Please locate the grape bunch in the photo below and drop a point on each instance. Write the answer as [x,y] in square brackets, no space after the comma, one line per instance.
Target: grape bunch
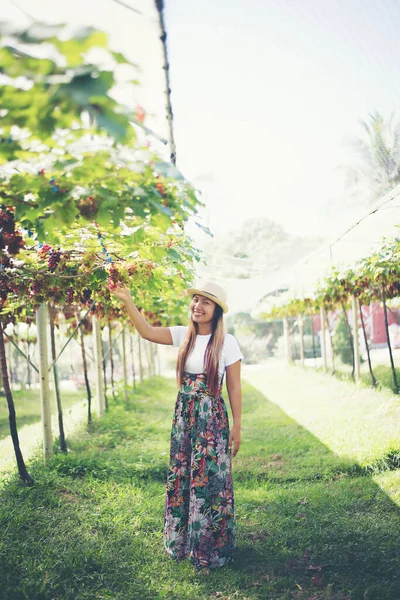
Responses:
[44,251]
[10,238]
[5,261]
[152,318]
[132,269]
[53,260]
[7,221]
[86,296]
[114,277]
[69,295]
[148,267]
[36,292]
[69,312]
[14,242]
[88,207]
[55,293]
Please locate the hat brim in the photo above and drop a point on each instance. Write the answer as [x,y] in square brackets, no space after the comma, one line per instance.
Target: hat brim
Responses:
[192,291]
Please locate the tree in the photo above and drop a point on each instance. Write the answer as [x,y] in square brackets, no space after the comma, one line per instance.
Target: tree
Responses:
[378,154]
[341,342]
[258,247]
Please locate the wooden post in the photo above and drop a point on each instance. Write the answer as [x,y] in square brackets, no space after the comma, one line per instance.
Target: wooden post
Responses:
[85,369]
[111,357]
[158,359]
[124,364]
[323,337]
[389,345]
[287,340]
[11,411]
[104,364]
[350,336]
[10,364]
[373,380]
[63,442]
[153,359]
[131,338]
[332,351]
[148,357]
[301,335]
[354,306]
[98,359]
[140,359]
[29,378]
[41,323]
[313,340]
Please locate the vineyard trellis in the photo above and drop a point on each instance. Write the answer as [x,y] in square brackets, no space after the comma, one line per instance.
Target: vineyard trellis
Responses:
[84,206]
[375,278]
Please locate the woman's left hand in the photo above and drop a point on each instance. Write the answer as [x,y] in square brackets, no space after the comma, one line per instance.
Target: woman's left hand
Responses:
[234,437]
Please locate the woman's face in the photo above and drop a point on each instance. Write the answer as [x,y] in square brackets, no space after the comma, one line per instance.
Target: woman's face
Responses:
[202,309]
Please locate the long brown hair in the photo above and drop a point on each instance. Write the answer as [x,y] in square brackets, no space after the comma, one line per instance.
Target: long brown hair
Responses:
[213,351]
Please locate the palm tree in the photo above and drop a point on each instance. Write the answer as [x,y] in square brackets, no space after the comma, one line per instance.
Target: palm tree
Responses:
[378,151]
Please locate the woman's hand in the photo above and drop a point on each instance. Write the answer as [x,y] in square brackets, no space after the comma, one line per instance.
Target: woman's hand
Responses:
[234,437]
[120,292]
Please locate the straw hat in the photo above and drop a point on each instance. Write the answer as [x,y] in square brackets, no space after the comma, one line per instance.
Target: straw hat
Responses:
[211,290]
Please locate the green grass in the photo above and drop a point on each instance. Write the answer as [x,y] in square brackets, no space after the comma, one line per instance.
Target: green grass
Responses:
[383,375]
[27,407]
[311,523]
[360,425]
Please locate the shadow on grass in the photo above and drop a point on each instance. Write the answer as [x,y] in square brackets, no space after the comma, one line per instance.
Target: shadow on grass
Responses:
[310,525]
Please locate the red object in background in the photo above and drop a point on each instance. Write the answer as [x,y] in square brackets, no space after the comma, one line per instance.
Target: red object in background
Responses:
[140,113]
[374,319]
[316,319]
[378,333]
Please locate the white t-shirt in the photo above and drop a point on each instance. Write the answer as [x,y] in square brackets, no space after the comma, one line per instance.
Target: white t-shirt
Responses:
[195,361]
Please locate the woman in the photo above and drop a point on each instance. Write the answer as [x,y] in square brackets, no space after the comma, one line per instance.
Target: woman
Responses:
[199,507]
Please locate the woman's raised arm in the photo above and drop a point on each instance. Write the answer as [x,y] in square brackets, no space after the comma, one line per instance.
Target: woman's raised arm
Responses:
[159,335]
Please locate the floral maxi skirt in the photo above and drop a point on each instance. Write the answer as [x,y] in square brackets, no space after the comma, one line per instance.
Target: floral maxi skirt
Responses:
[199,505]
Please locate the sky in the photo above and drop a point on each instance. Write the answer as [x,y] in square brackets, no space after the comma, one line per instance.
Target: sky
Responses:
[267,96]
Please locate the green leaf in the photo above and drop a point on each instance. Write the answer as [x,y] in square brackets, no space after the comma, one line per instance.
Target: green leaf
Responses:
[66,164]
[83,87]
[161,221]
[119,57]
[158,253]
[168,170]
[161,208]
[204,228]
[174,254]
[83,40]
[117,125]
[98,275]
[138,236]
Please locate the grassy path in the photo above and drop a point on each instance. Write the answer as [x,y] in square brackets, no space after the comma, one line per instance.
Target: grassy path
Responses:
[359,424]
[27,406]
[29,424]
[311,522]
